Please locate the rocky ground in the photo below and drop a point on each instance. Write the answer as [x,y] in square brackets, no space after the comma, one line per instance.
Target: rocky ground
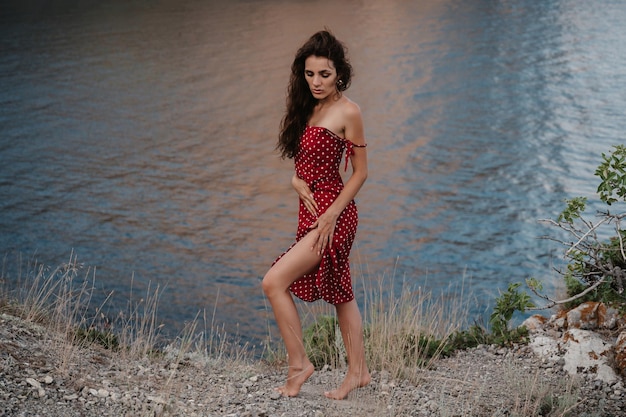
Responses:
[41,377]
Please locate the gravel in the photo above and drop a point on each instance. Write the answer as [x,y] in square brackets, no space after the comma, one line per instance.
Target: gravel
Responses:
[42,375]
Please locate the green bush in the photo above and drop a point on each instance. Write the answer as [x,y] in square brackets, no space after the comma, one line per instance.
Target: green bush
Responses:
[321,343]
[419,348]
[466,339]
[510,301]
[103,338]
[597,264]
[501,334]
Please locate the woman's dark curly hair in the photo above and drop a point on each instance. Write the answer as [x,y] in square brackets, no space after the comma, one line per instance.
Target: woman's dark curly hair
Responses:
[300,101]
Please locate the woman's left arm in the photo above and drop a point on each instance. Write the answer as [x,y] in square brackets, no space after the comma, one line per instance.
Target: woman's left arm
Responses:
[354,132]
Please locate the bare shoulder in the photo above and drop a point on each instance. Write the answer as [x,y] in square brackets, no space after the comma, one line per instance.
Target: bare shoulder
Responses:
[350,109]
[353,122]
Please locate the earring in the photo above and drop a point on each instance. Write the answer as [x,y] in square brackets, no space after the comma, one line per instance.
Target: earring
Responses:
[339,84]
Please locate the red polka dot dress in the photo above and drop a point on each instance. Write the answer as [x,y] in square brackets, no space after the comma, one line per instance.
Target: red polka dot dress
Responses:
[317,162]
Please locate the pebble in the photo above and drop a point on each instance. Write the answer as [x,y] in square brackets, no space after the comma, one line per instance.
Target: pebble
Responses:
[33,383]
[275,395]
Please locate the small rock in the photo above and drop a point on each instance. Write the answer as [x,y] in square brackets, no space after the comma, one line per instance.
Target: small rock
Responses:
[275,395]
[34,383]
[156,399]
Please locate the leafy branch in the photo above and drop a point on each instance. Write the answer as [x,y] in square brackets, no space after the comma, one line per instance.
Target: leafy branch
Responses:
[595,269]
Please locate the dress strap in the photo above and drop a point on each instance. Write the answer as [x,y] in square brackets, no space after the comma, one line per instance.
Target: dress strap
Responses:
[350,150]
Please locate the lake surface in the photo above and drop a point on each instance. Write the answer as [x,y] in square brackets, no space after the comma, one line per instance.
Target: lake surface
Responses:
[140,136]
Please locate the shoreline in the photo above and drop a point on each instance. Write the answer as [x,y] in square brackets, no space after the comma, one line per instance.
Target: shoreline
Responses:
[41,374]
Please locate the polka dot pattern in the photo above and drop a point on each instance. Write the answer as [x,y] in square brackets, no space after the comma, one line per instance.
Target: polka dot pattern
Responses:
[317,162]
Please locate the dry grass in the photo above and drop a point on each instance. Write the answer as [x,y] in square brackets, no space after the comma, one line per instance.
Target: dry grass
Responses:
[408,331]
[404,333]
[61,300]
[56,298]
[520,393]
[398,327]
[531,397]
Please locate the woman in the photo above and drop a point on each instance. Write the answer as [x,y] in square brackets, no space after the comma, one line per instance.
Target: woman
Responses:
[319,124]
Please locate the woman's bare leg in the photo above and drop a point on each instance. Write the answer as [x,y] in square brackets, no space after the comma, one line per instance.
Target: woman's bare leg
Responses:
[351,327]
[298,261]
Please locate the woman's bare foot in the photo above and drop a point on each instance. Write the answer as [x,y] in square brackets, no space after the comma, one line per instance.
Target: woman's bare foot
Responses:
[349,383]
[296,377]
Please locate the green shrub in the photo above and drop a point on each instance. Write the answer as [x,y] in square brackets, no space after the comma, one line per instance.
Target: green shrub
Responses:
[419,348]
[510,301]
[466,339]
[594,261]
[596,252]
[321,342]
[105,339]
[501,334]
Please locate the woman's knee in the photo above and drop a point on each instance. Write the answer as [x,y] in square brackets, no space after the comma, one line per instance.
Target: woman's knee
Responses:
[271,284]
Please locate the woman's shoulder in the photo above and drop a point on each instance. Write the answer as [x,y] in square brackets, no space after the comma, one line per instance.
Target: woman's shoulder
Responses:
[352,122]
[348,105]
[344,117]
[348,109]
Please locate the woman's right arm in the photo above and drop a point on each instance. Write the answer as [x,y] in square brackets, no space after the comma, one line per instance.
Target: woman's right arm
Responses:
[305,194]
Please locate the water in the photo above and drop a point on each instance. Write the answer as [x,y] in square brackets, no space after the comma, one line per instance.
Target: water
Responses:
[140,135]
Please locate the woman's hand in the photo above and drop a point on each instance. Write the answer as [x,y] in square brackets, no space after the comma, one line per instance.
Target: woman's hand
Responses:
[305,194]
[325,229]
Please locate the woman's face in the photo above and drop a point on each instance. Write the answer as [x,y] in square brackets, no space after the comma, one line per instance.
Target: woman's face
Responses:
[321,76]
